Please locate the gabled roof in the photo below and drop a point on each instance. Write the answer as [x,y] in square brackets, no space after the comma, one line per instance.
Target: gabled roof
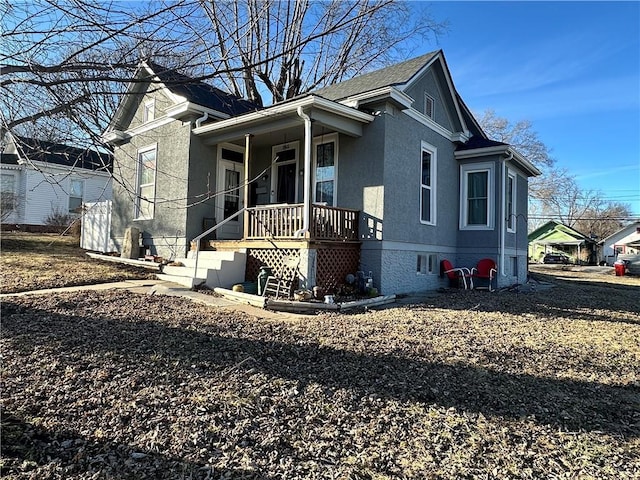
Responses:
[398,74]
[540,234]
[34,150]
[622,232]
[199,92]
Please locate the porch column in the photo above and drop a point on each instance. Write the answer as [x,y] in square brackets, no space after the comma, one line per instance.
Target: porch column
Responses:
[245,182]
[307,174]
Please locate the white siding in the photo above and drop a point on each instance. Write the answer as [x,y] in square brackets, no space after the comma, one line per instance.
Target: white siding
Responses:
[47,190]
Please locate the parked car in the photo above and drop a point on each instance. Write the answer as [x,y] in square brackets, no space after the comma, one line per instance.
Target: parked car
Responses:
[556,258]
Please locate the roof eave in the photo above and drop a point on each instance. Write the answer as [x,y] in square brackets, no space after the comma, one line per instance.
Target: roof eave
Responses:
[522,162]
[284,109]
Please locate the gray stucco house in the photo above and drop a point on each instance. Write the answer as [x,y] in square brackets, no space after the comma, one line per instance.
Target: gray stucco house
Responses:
[387,173]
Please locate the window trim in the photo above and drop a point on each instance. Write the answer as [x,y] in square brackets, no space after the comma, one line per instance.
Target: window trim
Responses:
[433,151]
[149,106]
[465,170]
[14,194]
[138,198]
[322,139]
[81,182]
[429,101]
[511,219]
[427,264]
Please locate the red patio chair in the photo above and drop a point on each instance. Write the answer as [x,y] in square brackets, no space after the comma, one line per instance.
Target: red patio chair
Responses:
[487,270]
[456,275]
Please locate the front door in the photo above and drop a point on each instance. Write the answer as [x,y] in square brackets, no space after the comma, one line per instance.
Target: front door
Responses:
[230,193]
[284,183]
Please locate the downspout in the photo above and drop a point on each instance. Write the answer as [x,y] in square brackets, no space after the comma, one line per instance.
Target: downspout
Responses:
[203,118]
[307,173]
[503,208]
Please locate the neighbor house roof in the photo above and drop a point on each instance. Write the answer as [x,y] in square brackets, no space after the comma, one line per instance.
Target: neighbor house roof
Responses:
[199,92]
[36,150]
[558,233]
[397,74]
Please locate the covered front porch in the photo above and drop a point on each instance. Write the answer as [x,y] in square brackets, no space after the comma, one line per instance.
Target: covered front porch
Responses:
[276,184]
[280,169]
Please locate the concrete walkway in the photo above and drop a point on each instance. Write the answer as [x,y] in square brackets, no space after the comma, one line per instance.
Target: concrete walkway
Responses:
[162,287]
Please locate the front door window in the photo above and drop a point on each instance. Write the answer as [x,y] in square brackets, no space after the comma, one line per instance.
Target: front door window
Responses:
[232,195]
[284,187]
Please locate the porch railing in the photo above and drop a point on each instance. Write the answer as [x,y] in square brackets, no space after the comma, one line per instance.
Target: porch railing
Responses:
[283,221]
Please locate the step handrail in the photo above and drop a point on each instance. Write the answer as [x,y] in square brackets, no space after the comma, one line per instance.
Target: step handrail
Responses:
[207,232]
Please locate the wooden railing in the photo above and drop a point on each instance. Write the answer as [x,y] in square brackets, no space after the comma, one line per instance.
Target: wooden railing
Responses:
[283,221]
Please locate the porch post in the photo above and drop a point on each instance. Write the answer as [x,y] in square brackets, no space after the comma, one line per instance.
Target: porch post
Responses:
[307,174]
[245,182]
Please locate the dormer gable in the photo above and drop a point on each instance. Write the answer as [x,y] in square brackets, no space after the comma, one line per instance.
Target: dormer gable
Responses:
[158,95]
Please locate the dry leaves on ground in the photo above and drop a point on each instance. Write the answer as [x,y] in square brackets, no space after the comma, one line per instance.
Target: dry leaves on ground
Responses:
[466,385]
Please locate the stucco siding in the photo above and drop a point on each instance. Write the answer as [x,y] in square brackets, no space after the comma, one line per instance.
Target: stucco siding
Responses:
[165,233]
[402,180]
[430,85]
[202,181]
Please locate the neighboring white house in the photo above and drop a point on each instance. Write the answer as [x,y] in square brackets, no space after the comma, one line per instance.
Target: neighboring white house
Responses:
[41,179]
[625,241]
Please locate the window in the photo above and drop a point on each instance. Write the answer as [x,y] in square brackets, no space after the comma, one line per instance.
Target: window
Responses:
[149,111]
[75,196]
[476,209]
[428,105]
[511,203]
[325,171]
[8,190]
[146,188]
[427,264]
[428,185]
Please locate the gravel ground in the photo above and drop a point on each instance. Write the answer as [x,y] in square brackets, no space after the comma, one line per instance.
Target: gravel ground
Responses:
[466,385]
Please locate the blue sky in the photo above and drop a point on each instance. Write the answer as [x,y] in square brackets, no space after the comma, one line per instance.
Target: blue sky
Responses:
[571,68]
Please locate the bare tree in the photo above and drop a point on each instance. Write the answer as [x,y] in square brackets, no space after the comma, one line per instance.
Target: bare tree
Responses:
[555,195]
[288,48]
[520,135]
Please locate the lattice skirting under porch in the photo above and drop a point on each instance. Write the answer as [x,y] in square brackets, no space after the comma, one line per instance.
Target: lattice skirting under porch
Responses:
[270,257]
[334,263]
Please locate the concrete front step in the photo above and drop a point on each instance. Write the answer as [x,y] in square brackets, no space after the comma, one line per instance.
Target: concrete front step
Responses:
[189,282]
[215,269]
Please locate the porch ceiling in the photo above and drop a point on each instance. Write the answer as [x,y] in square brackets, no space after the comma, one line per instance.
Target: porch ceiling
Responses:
[283,119]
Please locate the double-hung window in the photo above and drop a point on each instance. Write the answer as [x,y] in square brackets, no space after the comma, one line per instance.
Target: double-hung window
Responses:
[428,184]
[75,195]
[146,183]
[477,197]
[325,169]
[8,190]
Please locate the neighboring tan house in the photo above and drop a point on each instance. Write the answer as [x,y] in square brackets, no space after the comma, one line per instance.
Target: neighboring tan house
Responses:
[387,173]
[625,241]
[554,237]
[42,180]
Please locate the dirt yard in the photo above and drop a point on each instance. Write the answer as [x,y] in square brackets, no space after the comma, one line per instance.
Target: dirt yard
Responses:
[40,261]
[457,385]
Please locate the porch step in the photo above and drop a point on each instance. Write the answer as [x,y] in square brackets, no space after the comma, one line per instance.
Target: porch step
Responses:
[187,281]
[215,269]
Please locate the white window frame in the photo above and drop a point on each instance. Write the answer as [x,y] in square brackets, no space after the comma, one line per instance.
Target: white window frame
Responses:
[274,167]
[427,264]
[149,111]
[81,182]
[14,200]
[465,170]
[433,151]
[137,209]
[511,215]
[329,138]
[429,106]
